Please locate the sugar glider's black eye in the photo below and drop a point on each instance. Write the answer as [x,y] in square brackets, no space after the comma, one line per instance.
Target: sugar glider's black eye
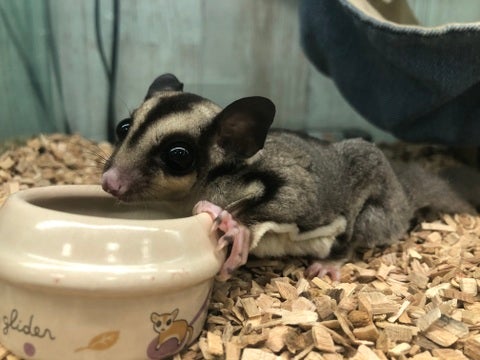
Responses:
[122,128]
[179,158]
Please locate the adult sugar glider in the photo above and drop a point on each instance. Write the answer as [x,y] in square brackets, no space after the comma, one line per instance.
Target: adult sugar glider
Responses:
[270,193]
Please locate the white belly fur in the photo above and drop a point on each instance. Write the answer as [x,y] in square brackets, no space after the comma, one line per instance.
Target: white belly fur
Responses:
[273,239]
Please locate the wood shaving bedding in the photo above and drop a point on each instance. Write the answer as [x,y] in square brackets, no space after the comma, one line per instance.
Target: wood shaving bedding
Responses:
[417,299]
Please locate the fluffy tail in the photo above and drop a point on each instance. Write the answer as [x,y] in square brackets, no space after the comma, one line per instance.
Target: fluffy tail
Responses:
[429,194]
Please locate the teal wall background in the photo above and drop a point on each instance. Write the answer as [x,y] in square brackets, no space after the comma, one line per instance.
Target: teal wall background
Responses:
[52,77]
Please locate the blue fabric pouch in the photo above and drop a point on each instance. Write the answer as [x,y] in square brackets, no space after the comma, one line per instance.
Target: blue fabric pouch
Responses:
[421,84]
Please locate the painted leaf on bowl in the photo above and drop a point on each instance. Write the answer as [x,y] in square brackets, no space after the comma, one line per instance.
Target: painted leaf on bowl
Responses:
[101,341]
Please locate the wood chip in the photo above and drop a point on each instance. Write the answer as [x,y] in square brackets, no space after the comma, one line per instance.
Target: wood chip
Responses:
[314,356]
[435,290]
[399,333]
[359,318]
[448,354]
[376,303]
[424,356]
[365,353]
[367,333]
[6,162]
[325,306]
[437,226]
[472,347]
[400,311]
[215,344]
[459,295]
[303,353]
[428,319]
[322,339]
[3,352]
[250,307]
[302,303]
[302,286]
[257,354]
[440,336]
[276,338]
[469,286]
[303,317]
[418,279]
[400,349]
[232,351]
[384,270]
[321,284]
[287,291]
[471,317]
[342,319]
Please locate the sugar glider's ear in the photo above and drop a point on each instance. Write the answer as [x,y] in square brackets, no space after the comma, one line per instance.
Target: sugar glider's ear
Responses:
[241,128]
[165,82]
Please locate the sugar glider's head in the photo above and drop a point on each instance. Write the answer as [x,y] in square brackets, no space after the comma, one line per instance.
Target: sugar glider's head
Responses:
[174,137]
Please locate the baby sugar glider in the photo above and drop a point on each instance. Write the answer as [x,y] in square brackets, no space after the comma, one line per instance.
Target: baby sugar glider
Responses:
[328,198]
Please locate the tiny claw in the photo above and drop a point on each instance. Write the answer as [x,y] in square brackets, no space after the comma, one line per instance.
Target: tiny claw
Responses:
[214,227]
[224,241]
[221,221]
[227,239]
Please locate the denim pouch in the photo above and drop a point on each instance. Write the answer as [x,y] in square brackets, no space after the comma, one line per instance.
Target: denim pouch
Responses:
[422,84]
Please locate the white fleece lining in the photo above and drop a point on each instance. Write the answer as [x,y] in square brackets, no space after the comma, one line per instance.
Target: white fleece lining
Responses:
[274,239]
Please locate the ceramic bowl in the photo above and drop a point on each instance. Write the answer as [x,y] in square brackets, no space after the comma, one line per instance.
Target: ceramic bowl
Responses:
[83,276]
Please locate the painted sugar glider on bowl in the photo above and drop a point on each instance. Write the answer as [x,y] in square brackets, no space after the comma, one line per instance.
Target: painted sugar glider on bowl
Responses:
[270,193]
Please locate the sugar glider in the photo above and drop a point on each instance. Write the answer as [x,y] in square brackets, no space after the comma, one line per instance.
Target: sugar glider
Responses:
[270,192]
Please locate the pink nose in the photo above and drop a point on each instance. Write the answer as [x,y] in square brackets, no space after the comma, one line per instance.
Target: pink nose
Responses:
[113,183]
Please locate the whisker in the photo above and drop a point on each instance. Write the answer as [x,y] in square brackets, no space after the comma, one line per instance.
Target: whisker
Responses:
[98,151]
[97,154]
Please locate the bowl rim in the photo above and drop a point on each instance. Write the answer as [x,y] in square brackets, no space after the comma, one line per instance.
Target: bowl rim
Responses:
[25,197]
[14,272]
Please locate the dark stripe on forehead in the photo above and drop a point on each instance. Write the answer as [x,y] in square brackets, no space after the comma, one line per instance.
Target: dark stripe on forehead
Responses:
[166,106]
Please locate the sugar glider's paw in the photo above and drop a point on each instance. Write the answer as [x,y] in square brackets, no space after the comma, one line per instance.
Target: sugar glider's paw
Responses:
[233,233]
[321,268]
